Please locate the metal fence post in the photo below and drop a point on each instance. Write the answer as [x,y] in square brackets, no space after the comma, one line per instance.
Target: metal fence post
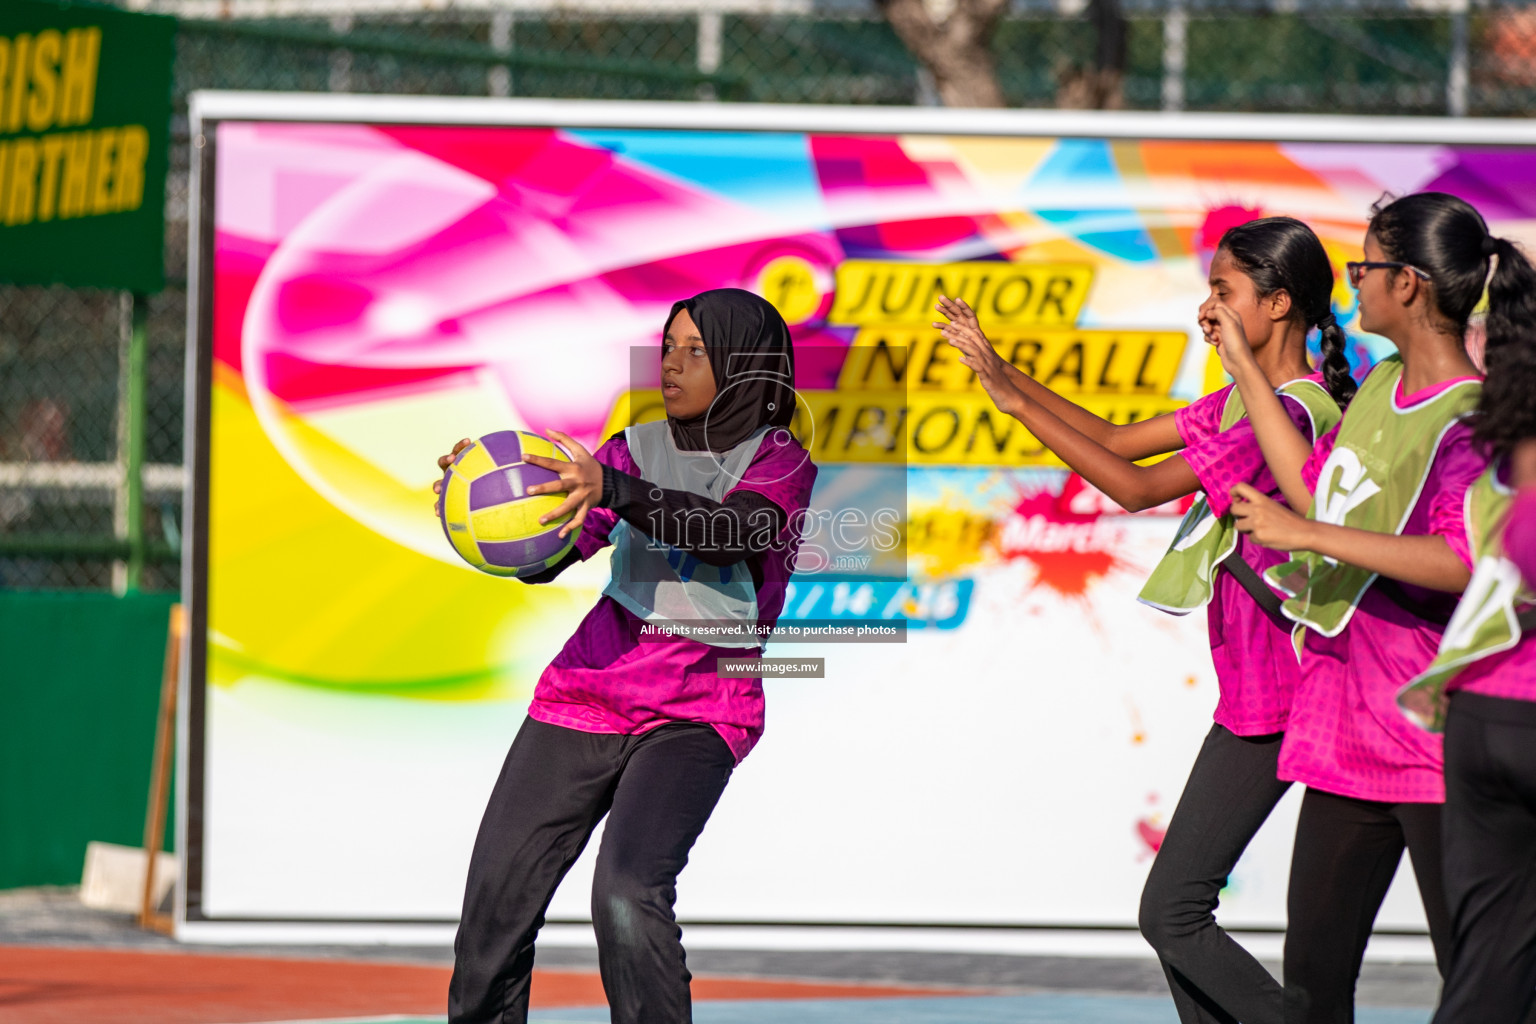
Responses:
[711,31]
[128,514]
[341,60]
[1175,54]
[1458,73]
[498,79]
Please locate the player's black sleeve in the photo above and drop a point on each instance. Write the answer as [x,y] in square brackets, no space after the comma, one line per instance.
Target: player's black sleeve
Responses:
[714,532]
[548,575]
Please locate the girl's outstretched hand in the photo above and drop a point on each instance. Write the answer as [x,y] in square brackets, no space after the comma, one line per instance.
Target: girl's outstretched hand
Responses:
[958,311]
[1268,522]
[581,479]
[443,462]
[1223,328]
[977,353]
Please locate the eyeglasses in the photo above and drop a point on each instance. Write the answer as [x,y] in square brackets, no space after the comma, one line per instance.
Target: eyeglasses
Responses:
[1357,269]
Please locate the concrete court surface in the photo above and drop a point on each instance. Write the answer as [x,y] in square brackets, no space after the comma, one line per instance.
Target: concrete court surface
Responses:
[61,963]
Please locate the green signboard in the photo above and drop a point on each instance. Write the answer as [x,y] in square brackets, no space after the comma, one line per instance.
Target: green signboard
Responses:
[85,109]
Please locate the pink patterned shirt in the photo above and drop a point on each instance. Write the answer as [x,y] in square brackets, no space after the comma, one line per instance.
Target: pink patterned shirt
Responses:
[1510,674]
[1256,670]
[1520,534]
[1346,735]
[606,680]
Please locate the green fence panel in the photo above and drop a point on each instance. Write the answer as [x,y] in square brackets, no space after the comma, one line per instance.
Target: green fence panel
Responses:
[79,695]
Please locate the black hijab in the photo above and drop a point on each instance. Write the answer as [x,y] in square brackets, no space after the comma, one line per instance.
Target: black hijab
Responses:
[754,366]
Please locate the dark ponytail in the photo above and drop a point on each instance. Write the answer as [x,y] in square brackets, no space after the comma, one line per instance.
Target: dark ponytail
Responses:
[1335,364]
[1448,239]
[1506,414]
[1282,253]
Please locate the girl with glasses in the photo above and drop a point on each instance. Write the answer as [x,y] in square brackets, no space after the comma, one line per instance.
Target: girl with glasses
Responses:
[1275,274]
[1377,530]
[1487,666]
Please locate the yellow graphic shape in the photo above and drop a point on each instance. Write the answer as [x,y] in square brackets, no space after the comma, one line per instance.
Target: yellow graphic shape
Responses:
[300,592]
[1215,374]
[789,282]
[1040,241]
[947,539]
[1159,225]
[403,435]
[1343,295]
[1003,165]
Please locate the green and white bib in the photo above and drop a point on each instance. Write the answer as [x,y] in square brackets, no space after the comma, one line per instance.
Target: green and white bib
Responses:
[1184,579]
[1371,481]
[1487,620]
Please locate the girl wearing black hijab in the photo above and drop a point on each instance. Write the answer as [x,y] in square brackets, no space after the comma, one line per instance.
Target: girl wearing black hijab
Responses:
[632,720]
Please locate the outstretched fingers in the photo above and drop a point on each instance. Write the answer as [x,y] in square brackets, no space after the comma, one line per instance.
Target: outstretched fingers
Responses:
[958,311]
[571,445]
[560,466]
[961,337]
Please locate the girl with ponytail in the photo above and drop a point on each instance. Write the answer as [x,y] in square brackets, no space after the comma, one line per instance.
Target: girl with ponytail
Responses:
[1275,272]
[1377,531]
[1487,665]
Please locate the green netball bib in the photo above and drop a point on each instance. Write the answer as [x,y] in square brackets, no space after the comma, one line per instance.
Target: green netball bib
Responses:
[1487,620]
[1371,481]
[1184,579]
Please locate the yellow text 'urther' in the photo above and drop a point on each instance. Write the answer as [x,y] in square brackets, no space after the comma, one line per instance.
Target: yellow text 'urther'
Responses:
[48,82]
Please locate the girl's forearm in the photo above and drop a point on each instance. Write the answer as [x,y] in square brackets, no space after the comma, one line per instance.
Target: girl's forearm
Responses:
[1137,440]
[716,533]
[1286,449]
[1069,412]
[1130,486]
[1424,560]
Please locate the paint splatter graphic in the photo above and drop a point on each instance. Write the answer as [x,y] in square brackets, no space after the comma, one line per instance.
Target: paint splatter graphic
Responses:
[1151,834]
[1150,829]
[1138,728]
[1066,537]
[1218,221]
[947,539]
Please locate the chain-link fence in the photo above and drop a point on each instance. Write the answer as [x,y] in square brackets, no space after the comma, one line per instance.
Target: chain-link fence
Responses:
[67,501]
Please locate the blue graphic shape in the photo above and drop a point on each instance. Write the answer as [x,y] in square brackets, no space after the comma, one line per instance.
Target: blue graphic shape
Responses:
[940,605]
[1087,167]
[767,170]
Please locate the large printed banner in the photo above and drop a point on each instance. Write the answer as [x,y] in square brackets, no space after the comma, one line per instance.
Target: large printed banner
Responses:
[379,290]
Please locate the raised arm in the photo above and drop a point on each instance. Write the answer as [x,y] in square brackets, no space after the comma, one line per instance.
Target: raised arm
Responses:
[1131,440]
[1131,486]
[1286,449]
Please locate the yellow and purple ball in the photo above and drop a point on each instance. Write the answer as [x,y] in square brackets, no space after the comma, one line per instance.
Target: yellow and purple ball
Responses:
[488,515]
